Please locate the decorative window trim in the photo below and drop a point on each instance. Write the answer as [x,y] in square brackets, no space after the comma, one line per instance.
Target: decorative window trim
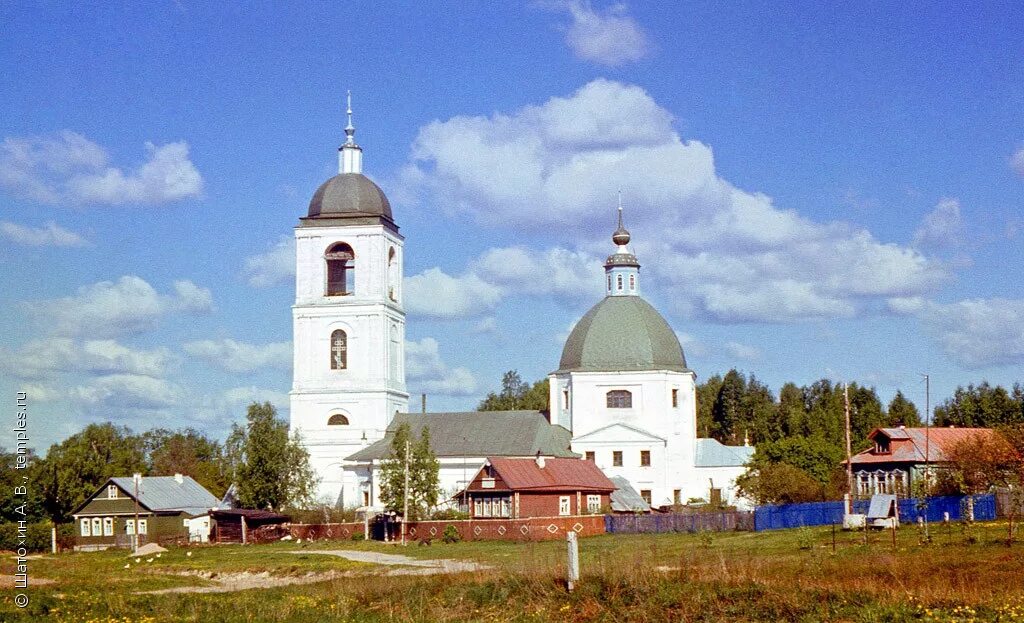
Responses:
[85,529]
[593,504]
[564,505]
[108,526]
[111,492]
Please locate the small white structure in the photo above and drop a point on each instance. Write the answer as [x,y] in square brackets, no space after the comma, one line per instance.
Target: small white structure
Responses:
[198,528]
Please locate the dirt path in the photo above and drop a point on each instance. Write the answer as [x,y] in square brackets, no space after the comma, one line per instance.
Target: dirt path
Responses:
[400,565]
[405,564]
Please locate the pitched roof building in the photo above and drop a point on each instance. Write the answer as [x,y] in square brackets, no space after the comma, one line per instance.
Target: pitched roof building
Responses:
[518,488]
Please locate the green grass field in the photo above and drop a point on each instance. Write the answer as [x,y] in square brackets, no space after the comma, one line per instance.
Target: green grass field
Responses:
[788,575]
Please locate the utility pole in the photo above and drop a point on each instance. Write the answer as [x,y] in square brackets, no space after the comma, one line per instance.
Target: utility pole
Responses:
[405,509]
[849,457]
[136,478]
[927,448]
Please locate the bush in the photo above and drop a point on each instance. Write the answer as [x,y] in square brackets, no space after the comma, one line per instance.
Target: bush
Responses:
[449,514]
[37,536]
[358,536]
[451,535]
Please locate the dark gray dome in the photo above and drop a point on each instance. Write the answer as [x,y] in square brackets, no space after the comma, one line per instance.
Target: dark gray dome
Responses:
[347,195]
[622,333]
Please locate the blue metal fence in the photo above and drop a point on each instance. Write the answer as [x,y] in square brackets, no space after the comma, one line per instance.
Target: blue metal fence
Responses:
[825,513]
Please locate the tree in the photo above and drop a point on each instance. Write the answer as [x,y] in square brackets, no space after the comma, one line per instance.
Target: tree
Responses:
[515,394]
[187,452]
[903,412]
[76,467]
[780,483]
[272,469]
[980,462]
[707,392]
[981,406]
[726,412]
[423,468]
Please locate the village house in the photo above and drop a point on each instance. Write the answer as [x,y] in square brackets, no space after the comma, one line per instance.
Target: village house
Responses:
[167,508]
[507,488]
[897,457]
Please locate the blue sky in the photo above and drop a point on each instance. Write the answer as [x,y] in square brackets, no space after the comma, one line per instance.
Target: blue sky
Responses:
[812,192]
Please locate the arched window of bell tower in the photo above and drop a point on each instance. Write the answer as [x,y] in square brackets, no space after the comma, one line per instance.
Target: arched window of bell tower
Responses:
[339,350]
[337,419]
[341,269]
[392,274]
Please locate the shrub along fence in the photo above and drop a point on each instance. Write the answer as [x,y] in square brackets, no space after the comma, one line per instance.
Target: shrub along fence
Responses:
[826,513]
[679,522]
[532,529]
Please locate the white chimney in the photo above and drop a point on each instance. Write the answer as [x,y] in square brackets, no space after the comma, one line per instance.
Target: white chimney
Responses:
[178,478]
[540,461]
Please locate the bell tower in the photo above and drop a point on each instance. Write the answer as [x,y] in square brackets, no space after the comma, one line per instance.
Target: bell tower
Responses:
[348,323]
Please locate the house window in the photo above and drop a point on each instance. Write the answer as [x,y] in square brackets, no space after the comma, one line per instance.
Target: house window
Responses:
[337,420]
[341,270]
[645,458]
[112,491]
[492,507]
[675,398]
[85,528]
[881,446]
[863,483]
[129,526]
[591,456]
[108,526]
[593,504]
[646,495]
[617,458]
[619,399]
[142,526]
[564,507]
[97,526]
[339,350]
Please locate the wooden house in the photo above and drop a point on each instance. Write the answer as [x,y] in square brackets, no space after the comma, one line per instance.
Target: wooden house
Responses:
[166,508]
[517,488]
[897,457]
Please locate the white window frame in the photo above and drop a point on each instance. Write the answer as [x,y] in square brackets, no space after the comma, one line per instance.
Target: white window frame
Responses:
[129,526]
[111,492]
[564,505]
[85,529]
[97,526]
[593,503]
[143,527]
[108,526]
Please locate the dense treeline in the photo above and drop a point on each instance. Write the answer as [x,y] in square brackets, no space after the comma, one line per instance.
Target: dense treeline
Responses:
[270,468]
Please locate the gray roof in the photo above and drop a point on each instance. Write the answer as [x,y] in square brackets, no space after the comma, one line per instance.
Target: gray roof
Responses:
[713,453]
[625,499]
[478,434]
[622,333]
[346,196]
[165,493]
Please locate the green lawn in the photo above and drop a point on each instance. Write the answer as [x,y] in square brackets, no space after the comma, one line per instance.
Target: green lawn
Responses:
[788,575]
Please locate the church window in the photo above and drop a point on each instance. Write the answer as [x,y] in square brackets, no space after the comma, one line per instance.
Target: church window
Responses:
[392,275]
[394,360]
[677,497]
[619,399]
[646,495]
[339,350]
[645,458]
[609,282]
[618,281]
[632,282]
[675,398]
[337,420]
[591,456]
[616,458]
[565,399]
[341,270]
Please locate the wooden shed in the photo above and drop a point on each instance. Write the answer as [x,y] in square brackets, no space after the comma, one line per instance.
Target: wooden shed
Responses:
[246,525]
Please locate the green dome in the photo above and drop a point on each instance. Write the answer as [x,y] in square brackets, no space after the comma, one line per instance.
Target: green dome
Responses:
[622,333]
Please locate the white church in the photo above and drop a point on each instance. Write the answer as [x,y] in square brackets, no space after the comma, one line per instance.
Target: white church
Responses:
[622,396]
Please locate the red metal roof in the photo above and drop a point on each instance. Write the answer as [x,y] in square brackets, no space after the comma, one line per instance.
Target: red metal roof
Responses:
[557,474]
[907,445]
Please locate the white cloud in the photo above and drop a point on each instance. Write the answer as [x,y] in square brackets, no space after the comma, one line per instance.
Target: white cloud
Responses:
[426,372]
[49,235]
[1017,161]
[743,351]
[240,356]
[218,411]
[978,332]
[130,392]
[273,267]
[435,294]
[942,227]
[108,309]
[691,345]
[485,325]
[43,358]
[708,247]
[610,37]
[69,167]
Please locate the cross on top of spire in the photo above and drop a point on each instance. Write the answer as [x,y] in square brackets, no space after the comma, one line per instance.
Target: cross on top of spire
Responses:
[350,130]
